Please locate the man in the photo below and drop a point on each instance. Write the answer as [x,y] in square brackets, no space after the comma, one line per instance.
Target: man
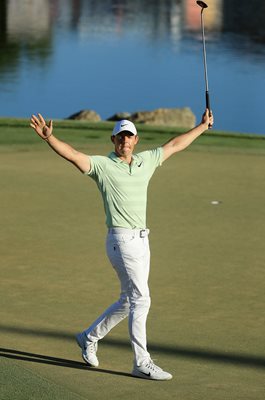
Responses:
[122,179]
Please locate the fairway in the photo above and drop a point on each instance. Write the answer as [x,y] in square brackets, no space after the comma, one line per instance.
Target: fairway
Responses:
[206,323]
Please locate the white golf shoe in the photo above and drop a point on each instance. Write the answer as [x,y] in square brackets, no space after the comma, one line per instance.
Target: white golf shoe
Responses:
[89,350]
[148,370]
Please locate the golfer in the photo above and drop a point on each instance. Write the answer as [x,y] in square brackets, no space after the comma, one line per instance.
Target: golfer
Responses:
[122,178]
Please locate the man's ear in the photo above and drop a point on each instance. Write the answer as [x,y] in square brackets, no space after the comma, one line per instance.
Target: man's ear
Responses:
[112,139]
[136,139]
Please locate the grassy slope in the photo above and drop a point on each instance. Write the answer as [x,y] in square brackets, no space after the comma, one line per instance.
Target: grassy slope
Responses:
[206,324]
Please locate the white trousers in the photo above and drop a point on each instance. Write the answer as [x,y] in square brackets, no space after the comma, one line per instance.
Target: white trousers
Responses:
[129,253]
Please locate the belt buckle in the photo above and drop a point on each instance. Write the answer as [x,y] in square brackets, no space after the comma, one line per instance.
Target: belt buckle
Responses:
[142,233]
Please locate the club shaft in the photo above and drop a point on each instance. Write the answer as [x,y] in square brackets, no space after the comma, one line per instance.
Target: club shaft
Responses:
[204,55]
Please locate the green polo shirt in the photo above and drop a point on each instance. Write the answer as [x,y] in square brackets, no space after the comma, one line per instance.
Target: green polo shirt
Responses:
[124,187]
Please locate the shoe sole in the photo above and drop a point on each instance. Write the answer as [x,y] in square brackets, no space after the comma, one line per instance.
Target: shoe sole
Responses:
[142,375]
[79,341]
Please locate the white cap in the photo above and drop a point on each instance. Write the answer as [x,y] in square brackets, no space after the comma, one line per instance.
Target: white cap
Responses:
[124,125]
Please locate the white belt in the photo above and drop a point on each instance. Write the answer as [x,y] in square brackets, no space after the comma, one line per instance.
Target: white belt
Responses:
[125,231]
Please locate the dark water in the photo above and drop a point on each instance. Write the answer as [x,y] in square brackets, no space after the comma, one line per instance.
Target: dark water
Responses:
[58,57]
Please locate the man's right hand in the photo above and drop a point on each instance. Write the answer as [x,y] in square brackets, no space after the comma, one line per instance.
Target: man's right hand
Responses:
[80,160]
[40,127]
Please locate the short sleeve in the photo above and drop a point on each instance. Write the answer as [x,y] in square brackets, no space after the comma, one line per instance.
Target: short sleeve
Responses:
[153,157]
[97,166]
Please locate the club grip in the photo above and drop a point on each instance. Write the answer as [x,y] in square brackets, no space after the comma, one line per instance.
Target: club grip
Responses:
[208,105]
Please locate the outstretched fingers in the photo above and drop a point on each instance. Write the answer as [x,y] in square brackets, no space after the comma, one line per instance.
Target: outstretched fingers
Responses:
[38,124]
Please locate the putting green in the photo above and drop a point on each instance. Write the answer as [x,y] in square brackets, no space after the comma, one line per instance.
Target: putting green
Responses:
[206,324]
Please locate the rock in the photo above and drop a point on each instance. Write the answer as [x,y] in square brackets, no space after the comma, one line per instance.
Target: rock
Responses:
[86,115]
[177,117]
[119,116]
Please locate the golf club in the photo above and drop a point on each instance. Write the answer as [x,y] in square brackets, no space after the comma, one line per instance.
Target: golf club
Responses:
[203,6]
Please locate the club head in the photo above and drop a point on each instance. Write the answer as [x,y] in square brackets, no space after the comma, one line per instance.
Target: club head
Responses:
[202,4]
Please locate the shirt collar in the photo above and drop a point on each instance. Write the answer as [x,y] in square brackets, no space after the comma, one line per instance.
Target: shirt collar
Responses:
[113,156]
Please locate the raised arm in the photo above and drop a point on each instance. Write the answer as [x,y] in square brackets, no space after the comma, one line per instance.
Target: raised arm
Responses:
[45,131]
[181,142]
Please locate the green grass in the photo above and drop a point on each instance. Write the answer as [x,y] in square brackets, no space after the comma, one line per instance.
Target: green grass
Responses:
[206,324]
[15,132]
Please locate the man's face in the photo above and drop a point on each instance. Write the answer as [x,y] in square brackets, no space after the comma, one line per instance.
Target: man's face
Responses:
[124,143]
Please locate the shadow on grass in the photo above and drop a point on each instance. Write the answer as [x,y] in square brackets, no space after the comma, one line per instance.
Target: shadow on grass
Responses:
[243,360]
[60,362]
